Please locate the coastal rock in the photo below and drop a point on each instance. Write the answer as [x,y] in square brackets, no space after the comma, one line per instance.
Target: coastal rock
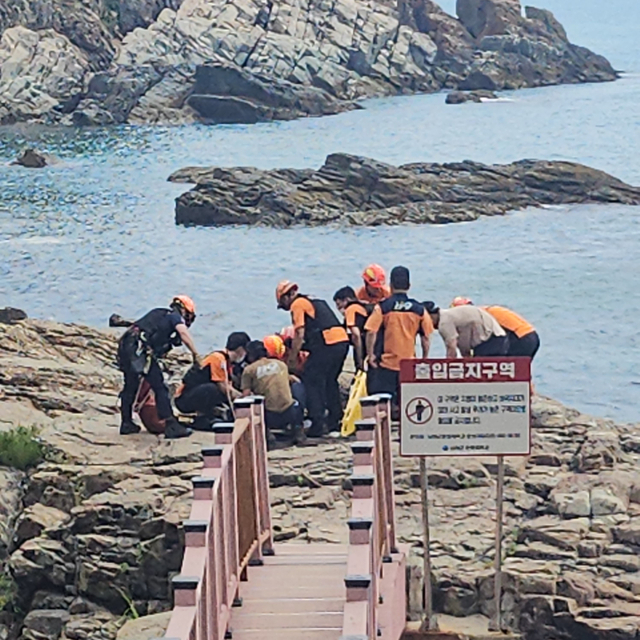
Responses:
[145,628]
[80,22]
[31,159]
[489,17]
[144,61]
[10,503]
[35,519]
[361,191]
[227,94]
[9,315]
[42,624]
[41,73]
[134,14]
[105,510]
[460,97]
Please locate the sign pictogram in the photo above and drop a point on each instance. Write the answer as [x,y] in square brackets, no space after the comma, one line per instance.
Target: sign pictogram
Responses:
[419,411]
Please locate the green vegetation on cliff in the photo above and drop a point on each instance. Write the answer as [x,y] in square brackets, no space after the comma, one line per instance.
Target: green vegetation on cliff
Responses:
[20,449]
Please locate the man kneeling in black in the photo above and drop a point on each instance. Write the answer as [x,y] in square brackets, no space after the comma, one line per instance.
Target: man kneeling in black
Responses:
[269,377]
[210,387]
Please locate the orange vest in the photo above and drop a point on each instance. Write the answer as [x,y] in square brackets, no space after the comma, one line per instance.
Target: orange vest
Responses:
[510,320]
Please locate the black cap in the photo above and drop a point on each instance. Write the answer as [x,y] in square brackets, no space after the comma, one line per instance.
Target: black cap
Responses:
[430,306]
[400,279]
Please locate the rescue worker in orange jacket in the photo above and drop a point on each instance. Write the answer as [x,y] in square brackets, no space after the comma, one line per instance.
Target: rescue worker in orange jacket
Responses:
[392,329]
[355,315]
[141,346]
[210,386]
[523,337]
[276,348]
[319,332]
[374,289]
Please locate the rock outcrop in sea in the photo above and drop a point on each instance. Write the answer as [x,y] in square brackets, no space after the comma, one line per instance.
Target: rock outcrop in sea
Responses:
[94,531]
[361,191]
[174,61]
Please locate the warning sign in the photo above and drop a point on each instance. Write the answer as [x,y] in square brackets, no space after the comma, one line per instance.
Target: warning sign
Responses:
[465,407]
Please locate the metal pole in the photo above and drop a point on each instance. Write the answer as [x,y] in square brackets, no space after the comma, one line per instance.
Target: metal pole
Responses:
[497,626]
[426,571]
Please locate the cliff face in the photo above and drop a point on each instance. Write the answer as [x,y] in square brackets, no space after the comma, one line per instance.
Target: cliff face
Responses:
[95,529]
[114,61]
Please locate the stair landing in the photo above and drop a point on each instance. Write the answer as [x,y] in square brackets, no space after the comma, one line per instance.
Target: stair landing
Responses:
[298,593]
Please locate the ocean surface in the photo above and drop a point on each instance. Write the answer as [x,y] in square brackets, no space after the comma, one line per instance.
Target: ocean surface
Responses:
[95,233]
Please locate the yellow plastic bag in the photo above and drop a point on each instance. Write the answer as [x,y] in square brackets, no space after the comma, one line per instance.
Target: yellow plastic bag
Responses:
[353,412]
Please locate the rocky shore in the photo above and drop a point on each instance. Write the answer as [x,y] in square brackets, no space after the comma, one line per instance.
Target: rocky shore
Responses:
[352,190]
[95,62]
[93,532]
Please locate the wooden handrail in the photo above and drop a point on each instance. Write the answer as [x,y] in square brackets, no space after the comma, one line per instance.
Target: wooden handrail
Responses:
[371,525]
[229,527]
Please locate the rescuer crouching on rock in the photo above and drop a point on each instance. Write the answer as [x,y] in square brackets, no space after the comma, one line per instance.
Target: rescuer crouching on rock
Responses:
[139,351]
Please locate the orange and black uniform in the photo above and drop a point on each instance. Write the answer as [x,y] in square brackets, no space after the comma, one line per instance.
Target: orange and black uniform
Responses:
[399,320]
[200,392]
[148,339]
[356,314]
[523,338]
[327,343]
[380,294]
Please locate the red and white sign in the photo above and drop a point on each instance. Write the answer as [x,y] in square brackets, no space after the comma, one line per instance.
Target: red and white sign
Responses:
[471,407]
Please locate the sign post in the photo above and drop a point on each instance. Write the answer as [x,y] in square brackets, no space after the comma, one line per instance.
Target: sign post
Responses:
[468,407]
[496,623]
[426,566]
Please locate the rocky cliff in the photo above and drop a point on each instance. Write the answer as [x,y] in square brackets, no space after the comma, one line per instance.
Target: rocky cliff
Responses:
[360,191]
[93,533]
[115,61]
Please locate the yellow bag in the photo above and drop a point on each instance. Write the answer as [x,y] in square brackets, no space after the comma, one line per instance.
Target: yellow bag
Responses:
[353,412]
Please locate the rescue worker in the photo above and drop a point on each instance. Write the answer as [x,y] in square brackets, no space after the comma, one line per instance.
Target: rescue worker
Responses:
[141,346]
[288,334]
[276,348]
[319,332]
[355,317]
[207,389]
[269,377]
[274,344]
[238,364]
[470,330]
[392,329]
[374,289]
[523,337]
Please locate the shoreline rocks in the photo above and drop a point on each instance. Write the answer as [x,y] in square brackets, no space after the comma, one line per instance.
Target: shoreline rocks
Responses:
[102,516]
[352,190]
[460,97]
[31,159]
[159,61]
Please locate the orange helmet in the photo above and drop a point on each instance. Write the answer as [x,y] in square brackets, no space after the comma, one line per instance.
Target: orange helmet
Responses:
[284,287]
[460,301]
[185,302]
[374,276]
[275,346]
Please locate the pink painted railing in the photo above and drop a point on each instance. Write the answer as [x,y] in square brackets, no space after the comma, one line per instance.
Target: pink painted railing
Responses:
[372,537]
[229,527]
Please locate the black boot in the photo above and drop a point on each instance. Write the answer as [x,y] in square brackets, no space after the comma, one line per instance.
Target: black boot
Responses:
[202,423]
[173,429]
[299,436]
[128,427]
[317,430]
